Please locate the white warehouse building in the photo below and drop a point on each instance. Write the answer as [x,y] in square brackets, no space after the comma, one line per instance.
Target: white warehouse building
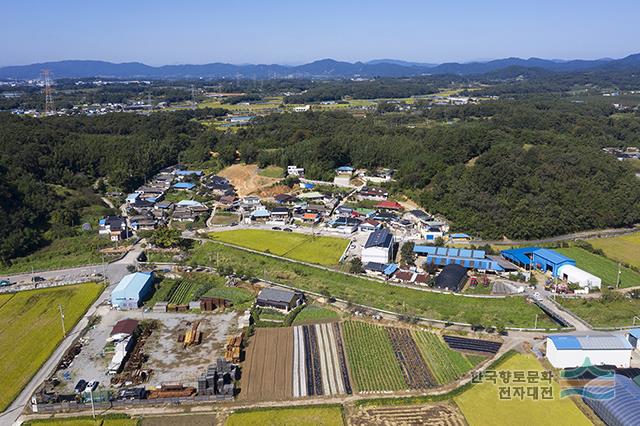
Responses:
[574,275]
[378,248]
[571,351]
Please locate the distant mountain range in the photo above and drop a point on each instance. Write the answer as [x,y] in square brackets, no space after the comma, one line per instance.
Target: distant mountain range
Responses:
[325,68]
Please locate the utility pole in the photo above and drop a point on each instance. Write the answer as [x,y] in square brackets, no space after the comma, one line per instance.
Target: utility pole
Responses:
[93,407]
[536,322]
[64,330]
[618,278]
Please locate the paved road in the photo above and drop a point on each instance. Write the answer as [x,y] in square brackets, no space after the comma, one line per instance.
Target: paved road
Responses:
[603,233]
[114,273]
[58,274]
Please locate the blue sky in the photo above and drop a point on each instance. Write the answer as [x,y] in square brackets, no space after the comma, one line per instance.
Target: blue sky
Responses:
[270,31]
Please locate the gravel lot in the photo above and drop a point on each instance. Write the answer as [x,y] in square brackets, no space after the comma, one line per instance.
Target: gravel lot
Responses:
[169,361]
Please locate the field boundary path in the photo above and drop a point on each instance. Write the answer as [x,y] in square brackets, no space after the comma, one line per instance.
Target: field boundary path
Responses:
[582,235]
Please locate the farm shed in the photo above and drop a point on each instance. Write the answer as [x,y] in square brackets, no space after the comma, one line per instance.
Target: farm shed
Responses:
[132,290]
[472,259]
[619,410]
[276,298]
[123,329]
[572,351]
[578,276]
[379,247]
[545,260]
[548,260]
[452,278]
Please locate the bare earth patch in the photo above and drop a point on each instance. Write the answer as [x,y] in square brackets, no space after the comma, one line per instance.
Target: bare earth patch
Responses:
[246,179]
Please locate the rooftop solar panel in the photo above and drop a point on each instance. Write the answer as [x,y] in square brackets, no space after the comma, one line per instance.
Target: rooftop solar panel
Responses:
[478,254]
[465,253]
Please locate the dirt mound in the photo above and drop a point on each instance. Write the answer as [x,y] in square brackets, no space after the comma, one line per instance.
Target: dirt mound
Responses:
[245,178]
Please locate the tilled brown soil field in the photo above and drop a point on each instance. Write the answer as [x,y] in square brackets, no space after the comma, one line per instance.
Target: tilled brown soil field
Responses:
[267,372]
[444,414]
[415,371]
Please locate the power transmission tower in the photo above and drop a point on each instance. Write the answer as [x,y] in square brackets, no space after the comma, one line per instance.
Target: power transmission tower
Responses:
[49,109]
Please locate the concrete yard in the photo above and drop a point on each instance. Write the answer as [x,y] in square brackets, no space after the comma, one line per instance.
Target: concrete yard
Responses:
[169,361]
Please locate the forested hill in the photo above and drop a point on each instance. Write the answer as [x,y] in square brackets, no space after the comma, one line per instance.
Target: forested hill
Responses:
[75,152]
[522,170]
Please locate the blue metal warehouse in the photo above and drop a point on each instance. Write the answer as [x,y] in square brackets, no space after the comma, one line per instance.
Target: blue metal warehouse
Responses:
[546,260]
[132,290]
[442,256]
[619,410]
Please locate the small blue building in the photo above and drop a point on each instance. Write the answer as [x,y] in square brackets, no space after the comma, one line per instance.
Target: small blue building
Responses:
[184,185]
[132,290]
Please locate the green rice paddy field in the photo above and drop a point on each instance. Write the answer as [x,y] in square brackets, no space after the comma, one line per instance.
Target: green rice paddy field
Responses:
[482,405]
[625,248]
[292,245]
[31,330]
[302,416]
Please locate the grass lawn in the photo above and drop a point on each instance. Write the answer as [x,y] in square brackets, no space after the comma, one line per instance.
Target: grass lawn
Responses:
[511,311]
[315,313]
[481,404]
[297,246]
[63,253]
[446,364]
[272,172]
[604,313]
[371,358]
[625,248]
[160,256]
[601,267]
[224,218]
[303,416]
[31,330]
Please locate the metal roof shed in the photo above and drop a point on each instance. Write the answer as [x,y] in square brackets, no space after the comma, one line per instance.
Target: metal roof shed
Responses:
[548,260]
[132,290]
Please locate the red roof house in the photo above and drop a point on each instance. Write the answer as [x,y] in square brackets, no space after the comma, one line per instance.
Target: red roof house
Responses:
[389,205]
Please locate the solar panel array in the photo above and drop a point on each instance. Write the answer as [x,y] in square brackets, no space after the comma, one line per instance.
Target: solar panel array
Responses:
[475,345]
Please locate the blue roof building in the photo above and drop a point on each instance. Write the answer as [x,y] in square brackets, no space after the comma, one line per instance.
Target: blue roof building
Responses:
[132,290]
[550,260]
[545,260]
[577,351]
[443,256]
[345,169]
[184,185]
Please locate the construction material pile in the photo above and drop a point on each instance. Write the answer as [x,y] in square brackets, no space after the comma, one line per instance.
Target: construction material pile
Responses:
[219,379]
[172,390]
[192,337]
[233,348]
